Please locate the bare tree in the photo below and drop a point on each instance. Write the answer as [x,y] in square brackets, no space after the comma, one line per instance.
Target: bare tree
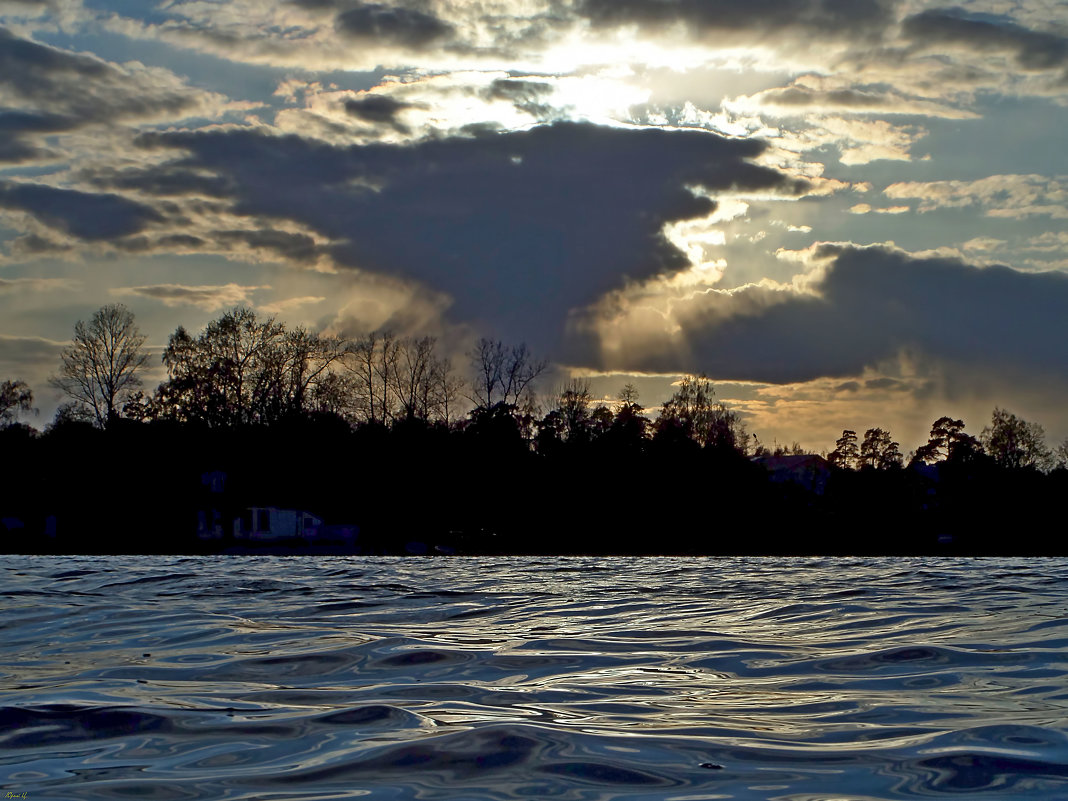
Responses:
[450,385]
[502,374]
[372,363]
[393,379]
[101,367]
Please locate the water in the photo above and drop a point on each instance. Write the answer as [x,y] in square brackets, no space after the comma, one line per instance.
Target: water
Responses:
[522,678]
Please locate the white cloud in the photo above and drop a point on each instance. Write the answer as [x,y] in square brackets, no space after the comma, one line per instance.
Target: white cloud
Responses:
[281,306]
[1013,196]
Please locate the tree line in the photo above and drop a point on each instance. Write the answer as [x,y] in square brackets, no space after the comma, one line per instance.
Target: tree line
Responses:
[384,432]
[243,369]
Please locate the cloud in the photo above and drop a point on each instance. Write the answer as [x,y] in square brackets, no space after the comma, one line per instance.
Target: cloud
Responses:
[377,23]
[855,308]
[810,94]
[161,181]
[517,227]
[38,284]
[1013,196]
[88,216]
[356,35]
[46,90]
[19,129]
[1033,50]
[85,88]
[983,244]
[23,356]
[525,94]
[867,208]
[828,17]
[208,298]
[378,109]
[281,306]
[441,105]
[1048,242]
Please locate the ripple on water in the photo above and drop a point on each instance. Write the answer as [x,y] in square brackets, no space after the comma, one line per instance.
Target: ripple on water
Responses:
[754,679]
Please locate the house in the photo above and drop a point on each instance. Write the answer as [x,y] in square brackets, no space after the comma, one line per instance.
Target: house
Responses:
[268,523]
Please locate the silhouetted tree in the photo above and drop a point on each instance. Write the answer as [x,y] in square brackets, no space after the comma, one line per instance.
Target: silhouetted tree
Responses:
[501,373]
[878,451]
[846,454]
[601,418]
[71,414]
[15,397]
[425,384]
[1060,456]
[573,404]
[100,369]
[242,370]
[692,412]
[1015,443]
[947,442]
[400,379]
[372,362]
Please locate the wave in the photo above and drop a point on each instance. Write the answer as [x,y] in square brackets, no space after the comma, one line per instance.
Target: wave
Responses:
[786,679]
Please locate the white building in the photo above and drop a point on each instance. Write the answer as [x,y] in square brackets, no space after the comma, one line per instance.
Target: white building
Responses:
[270,523]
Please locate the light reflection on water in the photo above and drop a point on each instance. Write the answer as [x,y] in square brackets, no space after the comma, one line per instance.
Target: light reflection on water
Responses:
[793,679]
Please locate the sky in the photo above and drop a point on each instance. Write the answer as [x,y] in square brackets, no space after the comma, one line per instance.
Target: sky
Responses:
[846,213]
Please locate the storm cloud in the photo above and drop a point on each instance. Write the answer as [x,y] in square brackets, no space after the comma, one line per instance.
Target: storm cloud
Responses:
[867,306]
[517,227]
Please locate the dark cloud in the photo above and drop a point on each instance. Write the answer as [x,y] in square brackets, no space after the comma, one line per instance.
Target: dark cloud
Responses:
[285,244]
[85,87]
[795,96]
[45,90]
[1034,50]
[378,109]
[831,18]
[517,227]
[30,245]
[181,241]
[525,95]
[17,129]
[163,181]
[391,25]
[31,70]
[88,216]
[875,303]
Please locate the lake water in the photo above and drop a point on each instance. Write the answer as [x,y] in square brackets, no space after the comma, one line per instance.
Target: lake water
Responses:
[533,678]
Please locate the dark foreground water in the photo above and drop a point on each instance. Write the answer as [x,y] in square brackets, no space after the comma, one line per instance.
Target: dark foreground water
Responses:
[685,679]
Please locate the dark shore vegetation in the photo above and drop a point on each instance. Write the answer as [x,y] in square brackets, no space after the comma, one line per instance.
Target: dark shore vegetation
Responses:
[374,433]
